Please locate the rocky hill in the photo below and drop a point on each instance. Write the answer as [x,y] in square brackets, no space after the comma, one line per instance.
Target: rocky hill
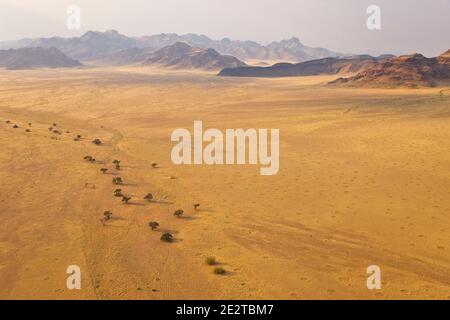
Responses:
[183,56]
[314,67]
[408,70]
[29,58]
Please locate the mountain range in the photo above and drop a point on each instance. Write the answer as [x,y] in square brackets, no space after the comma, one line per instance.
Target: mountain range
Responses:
[332,65]
[29,58]
[408,70]
[94,45]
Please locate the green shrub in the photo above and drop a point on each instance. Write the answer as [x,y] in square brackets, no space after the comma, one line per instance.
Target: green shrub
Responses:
[167,237]
[118,193]
[219,271]
[154,225]
[210,261]
[126,199]
[107,215]
[117,180]
[178,213]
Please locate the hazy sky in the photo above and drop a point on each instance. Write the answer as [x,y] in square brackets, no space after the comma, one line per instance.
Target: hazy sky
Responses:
[407,25]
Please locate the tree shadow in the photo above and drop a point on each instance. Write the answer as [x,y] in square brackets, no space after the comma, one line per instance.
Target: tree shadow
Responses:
[162,202]
[188,218]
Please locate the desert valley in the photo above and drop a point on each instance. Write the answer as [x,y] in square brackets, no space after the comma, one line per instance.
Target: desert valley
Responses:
[364,174]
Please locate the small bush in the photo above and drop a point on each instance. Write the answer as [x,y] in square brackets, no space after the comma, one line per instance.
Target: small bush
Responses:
[154,225]
[126,199]
[154,165]
[167,237]
[210,261]
[104,170]
[97,142]
[219,271]
[107,215]
[149,197]
[118,193]
[178,213]
[117,180]
[15,126]
[196,206]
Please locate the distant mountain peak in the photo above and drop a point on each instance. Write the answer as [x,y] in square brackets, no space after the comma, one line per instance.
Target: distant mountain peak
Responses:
[292,42]
[113,32]
[183,56]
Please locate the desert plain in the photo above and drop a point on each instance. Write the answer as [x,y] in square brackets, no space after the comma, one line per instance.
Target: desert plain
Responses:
[364,180]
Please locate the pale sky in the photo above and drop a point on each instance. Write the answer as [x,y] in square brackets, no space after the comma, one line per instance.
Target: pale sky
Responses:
[407,25]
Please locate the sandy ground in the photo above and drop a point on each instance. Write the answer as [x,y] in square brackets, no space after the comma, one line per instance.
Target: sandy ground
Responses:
[364,180]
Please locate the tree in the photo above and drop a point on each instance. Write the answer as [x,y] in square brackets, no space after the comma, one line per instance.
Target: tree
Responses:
[149,197]
[117,180]
[50,129]
[89,158]
[107,215]
[8,121]
[154,225]
[79,136]
[117,167]
[219,271]
[27,130]
[118,193]
[116,162]
[154,165]
[104,170]
[196,206]
[167,237]
[97,142]
[211,261]
[178,213]
[126,199]
[55,125]
[15,126]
